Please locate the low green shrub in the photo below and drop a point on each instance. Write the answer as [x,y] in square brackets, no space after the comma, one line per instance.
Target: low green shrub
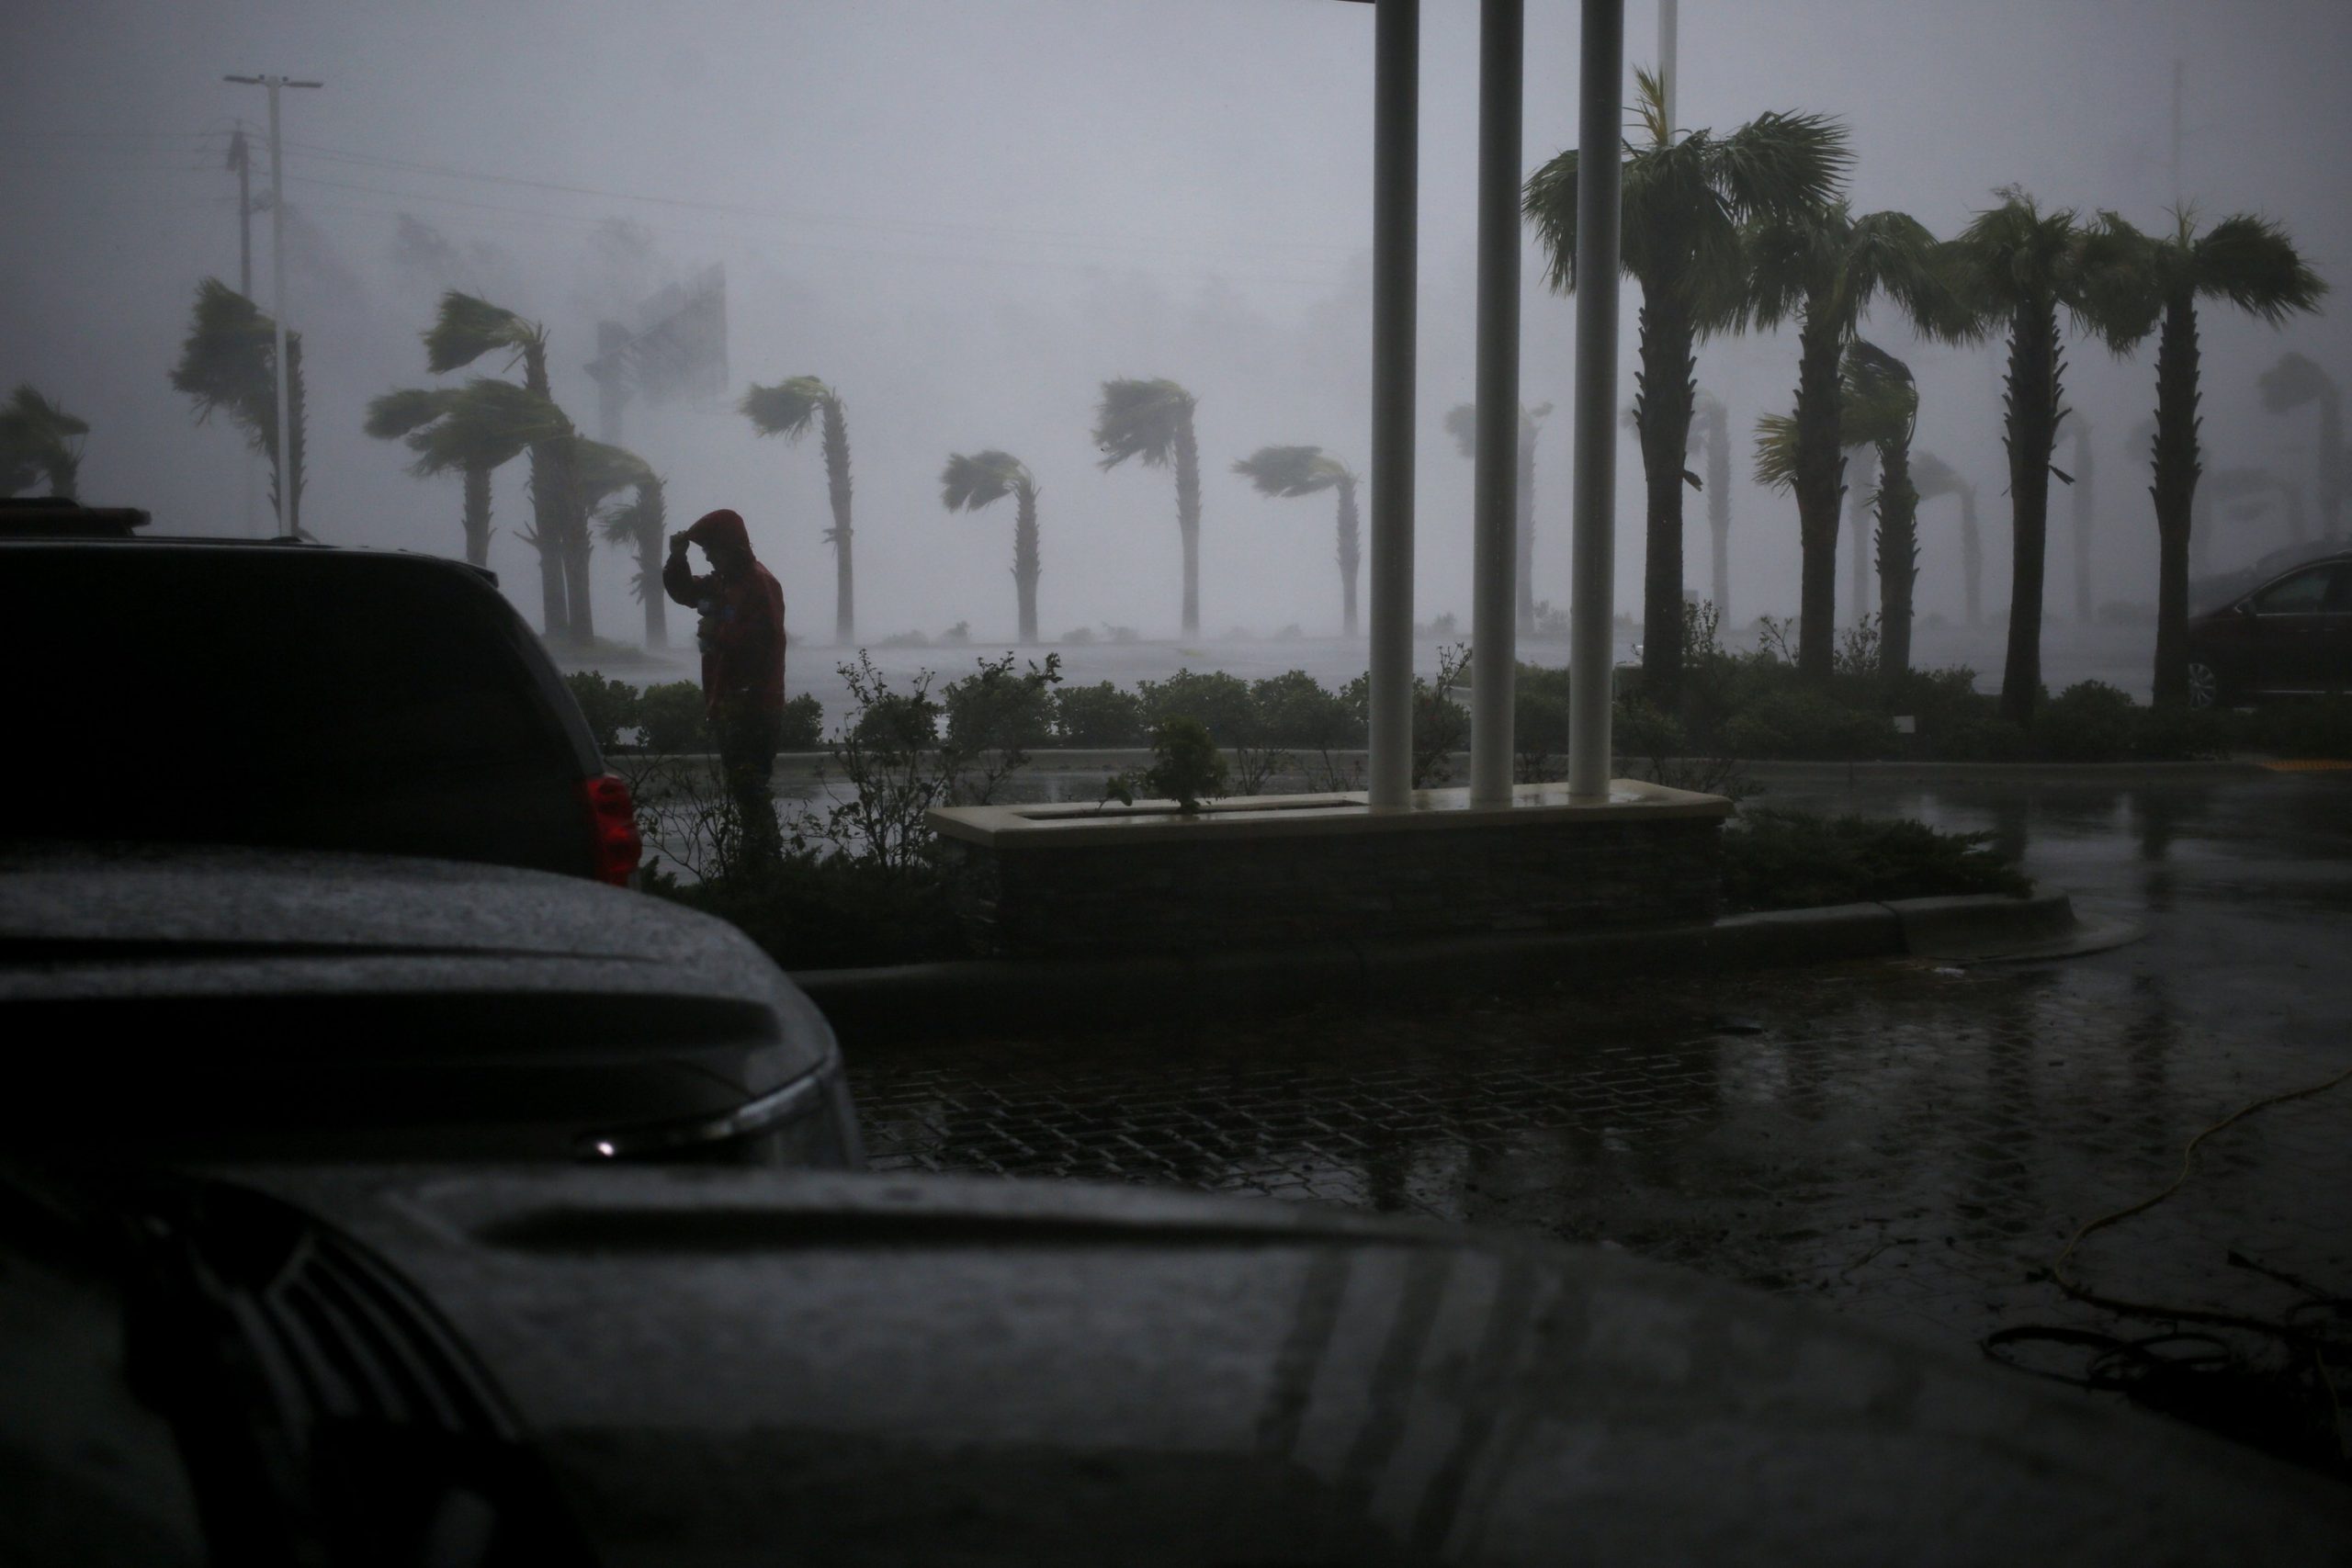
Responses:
[1806,726]
[996,708]
[1100,715]
[1295,709]
[1188,768]
[803,725]
[1217,699]
[1796,860]
[673,717]
[2090,721]
[608,706]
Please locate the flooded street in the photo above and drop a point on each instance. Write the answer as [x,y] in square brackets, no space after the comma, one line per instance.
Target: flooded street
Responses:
[1911,1143]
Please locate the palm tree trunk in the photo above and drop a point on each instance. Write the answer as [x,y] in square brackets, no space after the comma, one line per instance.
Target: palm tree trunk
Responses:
[1972,558]
[1025,567]
[1897,538]
[836,439]
[2084,610]
[549,486]
[2173,490]
[1526,532]
[1719,511]
[477,513]
[1188,517]
[1820,483]
[1662,412]
[653,526]
[1350,553]
[576,543]
[290,471]
[1860,480]
[2032,398]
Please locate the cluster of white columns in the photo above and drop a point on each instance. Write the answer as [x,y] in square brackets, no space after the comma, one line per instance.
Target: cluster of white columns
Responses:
[1494,635]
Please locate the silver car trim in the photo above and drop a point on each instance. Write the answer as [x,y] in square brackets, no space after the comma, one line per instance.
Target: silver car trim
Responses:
[803,1094]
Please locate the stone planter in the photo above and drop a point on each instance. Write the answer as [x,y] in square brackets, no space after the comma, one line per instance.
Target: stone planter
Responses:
[1067,880]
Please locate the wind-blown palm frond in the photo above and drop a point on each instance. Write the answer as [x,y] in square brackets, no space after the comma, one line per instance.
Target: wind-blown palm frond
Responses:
[466,327]
[604,470]
[787,409]
[1880,400]
[226,361]
[1292,470]
[1140,419]
[485,423]
[397,413]
[971,481]
[37,437]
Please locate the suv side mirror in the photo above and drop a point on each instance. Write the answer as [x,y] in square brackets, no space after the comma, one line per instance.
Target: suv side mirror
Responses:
[2244,607]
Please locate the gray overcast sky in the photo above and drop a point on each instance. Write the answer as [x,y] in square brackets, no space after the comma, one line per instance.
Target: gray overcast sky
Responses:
[966,213]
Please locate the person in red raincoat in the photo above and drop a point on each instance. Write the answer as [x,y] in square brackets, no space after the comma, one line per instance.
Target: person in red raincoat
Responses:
[742,633]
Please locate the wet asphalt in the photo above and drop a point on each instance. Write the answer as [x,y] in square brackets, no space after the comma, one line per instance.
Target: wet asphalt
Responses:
[1909,1141]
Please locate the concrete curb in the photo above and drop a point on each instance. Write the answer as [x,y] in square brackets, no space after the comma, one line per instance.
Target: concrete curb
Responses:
[879,1006]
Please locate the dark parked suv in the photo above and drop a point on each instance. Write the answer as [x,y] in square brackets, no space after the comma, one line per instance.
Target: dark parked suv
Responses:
[2292,635]
[299,859]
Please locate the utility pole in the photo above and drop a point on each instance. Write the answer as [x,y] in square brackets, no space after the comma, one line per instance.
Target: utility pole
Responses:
[1669,45]
[2177,196]
[277,288]
[240,159]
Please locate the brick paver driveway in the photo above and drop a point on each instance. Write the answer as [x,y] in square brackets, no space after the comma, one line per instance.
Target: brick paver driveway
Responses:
[1901,1140]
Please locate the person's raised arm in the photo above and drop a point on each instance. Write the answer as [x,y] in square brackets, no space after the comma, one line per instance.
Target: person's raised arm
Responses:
[678,579]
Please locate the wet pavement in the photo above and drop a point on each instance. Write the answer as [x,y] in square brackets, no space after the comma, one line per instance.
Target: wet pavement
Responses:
[1906,1142]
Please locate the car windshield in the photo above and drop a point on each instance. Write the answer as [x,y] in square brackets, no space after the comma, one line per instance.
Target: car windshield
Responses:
[253,694]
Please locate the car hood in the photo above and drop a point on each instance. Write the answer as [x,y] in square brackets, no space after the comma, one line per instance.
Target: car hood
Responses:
[721,1367]
[520,987]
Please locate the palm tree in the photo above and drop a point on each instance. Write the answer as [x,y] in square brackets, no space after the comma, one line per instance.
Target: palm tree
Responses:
[2012,269]
[983,478]
[229,364]
[472,430]
[1825,267]
[2291,383]
[1933,477]
[1153,421]
[1306,470]
[642,522]
[2084,502]
[1711,424]
[2250,263]
[1882,408]
[1878,409]
[788,409]
[1684,202]
[465,329]
[1462,424]
[38,441]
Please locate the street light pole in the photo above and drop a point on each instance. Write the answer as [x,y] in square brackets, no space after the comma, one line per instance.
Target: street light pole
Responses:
[277,290]
[1600,183]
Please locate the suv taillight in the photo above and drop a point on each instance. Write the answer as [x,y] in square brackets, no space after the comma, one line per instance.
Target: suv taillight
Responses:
[614,844]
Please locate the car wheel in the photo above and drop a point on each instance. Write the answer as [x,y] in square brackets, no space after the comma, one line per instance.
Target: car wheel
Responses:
[2204,684]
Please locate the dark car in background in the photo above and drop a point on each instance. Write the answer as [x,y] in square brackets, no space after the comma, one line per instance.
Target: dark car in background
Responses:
[300,859]
[289,694]
[2290,635]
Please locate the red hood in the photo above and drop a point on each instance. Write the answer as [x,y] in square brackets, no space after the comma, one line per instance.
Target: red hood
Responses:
[720,529]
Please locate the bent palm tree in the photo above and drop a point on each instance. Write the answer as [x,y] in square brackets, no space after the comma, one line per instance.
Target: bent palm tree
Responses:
[1877,409]
[229,364]
[2012,269]
[2250,263]
[1307,470]
[474,430]
[983,478]
[1883,410]
[2290,384]
[643,523]
[1462,424]
[1683,204]
[1825,267]
[464,330]
[38,441]
[1934,477]
[1153,421]
[788,409]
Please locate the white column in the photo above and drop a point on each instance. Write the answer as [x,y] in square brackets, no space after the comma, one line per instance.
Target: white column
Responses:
[1601,75]
[1494,635]
[1396,153]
